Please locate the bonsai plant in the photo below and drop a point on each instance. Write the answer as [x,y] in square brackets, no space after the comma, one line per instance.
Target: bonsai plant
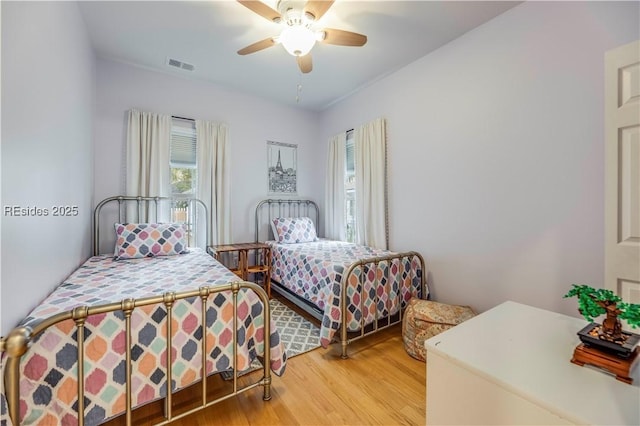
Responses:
[595,302]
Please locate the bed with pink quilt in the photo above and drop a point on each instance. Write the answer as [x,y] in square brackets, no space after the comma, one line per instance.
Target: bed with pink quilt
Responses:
[350,288]
[131,310]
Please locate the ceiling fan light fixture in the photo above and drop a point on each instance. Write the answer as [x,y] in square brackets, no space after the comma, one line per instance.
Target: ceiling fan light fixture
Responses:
[298,35]
[297,39]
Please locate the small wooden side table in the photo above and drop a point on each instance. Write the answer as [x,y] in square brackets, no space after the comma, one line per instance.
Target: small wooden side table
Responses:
[263,260]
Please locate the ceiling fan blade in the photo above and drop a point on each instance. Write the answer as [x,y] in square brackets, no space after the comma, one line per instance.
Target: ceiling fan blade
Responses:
[317,7]
[255,47]
[305,63]
[261,9]
[343,38]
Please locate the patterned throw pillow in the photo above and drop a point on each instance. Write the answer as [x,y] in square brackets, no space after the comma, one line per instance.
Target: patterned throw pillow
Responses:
[136,240]
[290,230]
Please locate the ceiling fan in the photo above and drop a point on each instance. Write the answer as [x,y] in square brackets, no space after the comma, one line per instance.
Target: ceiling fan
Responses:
[299,35]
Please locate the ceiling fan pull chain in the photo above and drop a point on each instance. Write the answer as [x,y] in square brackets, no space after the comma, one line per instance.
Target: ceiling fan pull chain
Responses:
[298,90]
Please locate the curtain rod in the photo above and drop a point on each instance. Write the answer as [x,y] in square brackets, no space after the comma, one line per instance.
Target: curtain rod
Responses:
[182,118]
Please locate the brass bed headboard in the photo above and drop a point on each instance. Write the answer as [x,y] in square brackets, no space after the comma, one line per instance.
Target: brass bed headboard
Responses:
[148,209]
[283,208]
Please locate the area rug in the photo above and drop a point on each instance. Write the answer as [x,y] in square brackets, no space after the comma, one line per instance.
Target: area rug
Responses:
[296,333]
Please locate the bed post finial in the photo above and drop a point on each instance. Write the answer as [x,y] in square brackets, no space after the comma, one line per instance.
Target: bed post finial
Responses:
[15,345]
[17,342]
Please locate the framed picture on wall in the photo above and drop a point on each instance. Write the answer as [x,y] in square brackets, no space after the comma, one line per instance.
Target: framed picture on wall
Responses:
[282,168]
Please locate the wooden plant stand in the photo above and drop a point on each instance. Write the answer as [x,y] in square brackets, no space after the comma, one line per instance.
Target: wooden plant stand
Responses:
[621,367]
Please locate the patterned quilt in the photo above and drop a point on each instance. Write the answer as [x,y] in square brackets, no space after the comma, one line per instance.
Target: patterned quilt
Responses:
[314,271]
[48,389]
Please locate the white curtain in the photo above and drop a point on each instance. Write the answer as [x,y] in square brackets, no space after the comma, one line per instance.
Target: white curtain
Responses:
[334,226]
[370,151]
[214,180]
[147,163]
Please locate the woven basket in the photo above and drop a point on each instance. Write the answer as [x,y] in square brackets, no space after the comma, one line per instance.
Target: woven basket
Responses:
[424,319]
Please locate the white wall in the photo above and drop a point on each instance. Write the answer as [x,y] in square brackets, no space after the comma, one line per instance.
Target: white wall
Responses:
[47,156]
[496,153]
[251,120]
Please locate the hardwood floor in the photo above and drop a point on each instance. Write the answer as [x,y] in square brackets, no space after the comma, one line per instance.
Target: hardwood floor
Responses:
[379,384]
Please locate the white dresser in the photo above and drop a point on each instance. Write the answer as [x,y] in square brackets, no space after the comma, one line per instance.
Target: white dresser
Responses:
[511,365]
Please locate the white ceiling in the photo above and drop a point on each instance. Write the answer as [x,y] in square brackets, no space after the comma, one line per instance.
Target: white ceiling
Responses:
[208,34]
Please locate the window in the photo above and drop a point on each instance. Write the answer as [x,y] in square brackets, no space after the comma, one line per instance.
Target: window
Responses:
[184,168]
[350,190]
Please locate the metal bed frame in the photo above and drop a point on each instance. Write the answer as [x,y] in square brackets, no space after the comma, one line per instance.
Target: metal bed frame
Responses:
[143,207]
[302,207]
[17,343]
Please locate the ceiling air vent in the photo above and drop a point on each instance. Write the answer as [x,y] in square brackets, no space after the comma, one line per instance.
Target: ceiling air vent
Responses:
[179,64]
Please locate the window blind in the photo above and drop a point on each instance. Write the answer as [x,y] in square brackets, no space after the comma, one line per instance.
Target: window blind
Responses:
[351,169]
[183,144]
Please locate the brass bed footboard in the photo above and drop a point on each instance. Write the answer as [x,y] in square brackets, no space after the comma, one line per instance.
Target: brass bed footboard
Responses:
[18,341]
[373,262]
